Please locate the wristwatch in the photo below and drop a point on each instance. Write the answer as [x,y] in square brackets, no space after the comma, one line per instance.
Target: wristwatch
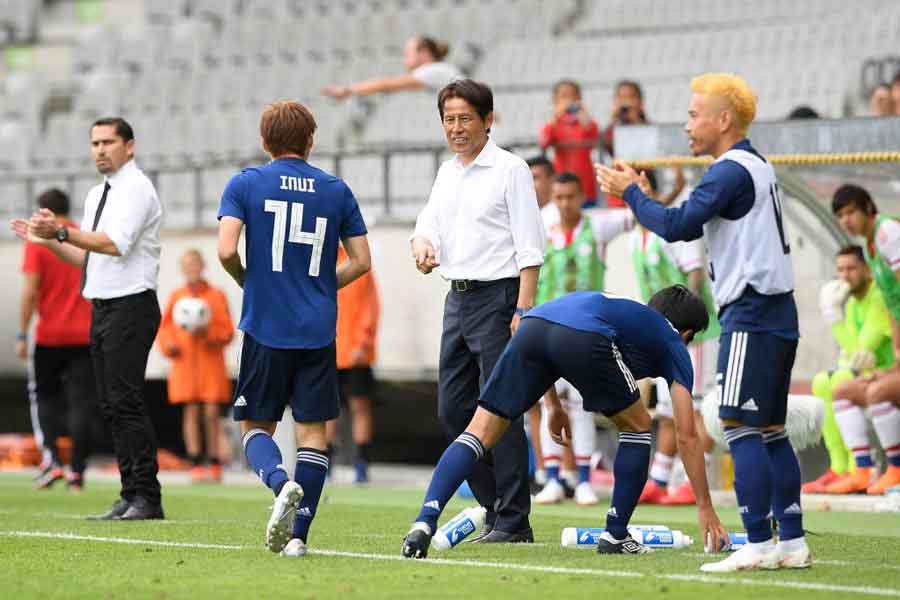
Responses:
[520,311]
[62,234]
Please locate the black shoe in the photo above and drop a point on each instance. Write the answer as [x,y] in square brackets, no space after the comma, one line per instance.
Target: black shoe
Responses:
[142,509]
[609,545]
[523,536]
[488,527]
[416,542]
[568,490]
[118,509]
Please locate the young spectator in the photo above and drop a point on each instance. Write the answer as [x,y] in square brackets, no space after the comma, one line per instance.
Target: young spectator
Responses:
[575,260]
[423,58]
[357,326]
[880,102]
[573,135]
[627,109]
[542,171]
[196,327]
[864,335]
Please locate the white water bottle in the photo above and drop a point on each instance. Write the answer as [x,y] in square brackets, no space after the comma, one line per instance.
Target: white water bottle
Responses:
[654,536]
[458,528]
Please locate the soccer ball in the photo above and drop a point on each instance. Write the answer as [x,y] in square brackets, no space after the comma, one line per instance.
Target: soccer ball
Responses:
[191,314]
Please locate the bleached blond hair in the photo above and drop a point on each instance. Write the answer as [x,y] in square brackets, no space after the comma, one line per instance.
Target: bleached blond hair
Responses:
[733,92]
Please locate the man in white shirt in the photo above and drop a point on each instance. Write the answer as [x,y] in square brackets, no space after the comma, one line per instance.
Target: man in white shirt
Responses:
[542,172]
[482,226]
[118,249]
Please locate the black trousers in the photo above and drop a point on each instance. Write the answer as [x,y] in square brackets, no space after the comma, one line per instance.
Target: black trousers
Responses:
[64,376]
[122,333]
[476,331]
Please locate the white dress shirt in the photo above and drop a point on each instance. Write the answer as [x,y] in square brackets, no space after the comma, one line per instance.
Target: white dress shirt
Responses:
[483,219]
[131,218]
[436,75]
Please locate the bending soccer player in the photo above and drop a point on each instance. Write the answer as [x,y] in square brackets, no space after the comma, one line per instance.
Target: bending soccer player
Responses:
[737,209]
[294,215]
[853,307]
[600,344]
[877,395]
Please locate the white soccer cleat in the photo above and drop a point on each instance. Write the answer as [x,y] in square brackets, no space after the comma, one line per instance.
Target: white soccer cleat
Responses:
[585,495]
[295,547]
[750,557]
[794,554]
[553,493]
[281,524]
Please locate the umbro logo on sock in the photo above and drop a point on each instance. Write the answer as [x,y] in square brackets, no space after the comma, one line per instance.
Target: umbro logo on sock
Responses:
[612,512]
[305,512]
[793,509]
[240,401]
[434,504]
[750,405]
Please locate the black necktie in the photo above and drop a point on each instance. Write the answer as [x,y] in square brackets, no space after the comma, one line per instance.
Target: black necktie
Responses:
[87,255]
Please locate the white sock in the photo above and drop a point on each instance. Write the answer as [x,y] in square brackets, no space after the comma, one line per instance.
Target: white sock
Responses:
[852,422]
[570,477]
[886,423]
[661,469]
[540,476]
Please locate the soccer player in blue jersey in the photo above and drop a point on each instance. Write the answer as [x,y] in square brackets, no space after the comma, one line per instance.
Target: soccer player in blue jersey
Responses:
[295,215]
[737,209]
[600,344]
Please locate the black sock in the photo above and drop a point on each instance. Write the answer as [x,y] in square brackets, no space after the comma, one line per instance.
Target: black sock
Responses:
[362,452]
[196,459]
[214,461]
[278,487]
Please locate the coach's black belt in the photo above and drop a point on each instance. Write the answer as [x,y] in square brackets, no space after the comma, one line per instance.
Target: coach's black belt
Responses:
[467,285]
[103,302]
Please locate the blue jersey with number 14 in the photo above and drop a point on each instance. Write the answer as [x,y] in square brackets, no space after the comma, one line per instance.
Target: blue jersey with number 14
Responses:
[294,216]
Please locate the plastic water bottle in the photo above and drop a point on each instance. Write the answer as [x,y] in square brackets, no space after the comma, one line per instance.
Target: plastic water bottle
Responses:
[735,541]
[458,528]
[654,536]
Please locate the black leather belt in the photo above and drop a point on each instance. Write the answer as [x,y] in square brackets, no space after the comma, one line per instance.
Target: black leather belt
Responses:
[467,285]
[103,302]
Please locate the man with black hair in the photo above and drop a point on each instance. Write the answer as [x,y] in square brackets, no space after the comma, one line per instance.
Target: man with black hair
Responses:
[542,172]
[60,370]
[117,249]
[601,344]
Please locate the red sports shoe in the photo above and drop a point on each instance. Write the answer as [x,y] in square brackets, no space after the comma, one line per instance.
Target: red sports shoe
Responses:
[653,493]
[819,485]
[683,495]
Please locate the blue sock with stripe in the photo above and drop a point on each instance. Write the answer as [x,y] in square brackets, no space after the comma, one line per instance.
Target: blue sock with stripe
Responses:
[263,454]
[310,472]
[785,485]
[630,472]
[752,480]
[452,469]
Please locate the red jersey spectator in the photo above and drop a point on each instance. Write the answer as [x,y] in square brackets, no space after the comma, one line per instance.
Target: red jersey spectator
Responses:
[572,134]
[627,109]
[61,371]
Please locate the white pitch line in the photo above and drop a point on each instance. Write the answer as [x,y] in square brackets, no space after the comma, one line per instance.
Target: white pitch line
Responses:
[797,585]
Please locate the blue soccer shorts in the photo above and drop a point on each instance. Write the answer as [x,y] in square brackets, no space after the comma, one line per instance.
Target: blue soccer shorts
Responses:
[754,376]
[272,378]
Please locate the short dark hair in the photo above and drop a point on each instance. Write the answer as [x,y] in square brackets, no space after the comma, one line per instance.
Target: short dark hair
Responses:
[633,85]
[852,250]
[852,195]
[123,128]
[683,308]
[541,161]
[478,94]
[437,49]
[54,199]
[803,112]
[570,82]
[568,177]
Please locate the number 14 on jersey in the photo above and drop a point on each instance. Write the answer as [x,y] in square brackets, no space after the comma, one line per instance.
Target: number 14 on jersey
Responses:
[295,234]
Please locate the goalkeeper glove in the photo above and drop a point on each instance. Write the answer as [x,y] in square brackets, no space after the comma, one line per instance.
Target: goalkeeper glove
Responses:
[832,297]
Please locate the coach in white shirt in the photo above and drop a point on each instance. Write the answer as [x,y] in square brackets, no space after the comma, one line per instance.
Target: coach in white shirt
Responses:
[118,247]
[481,225]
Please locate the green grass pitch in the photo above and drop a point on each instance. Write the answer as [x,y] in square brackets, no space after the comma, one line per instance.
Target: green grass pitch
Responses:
[211,546]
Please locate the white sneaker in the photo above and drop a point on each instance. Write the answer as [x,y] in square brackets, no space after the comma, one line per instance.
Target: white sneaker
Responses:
[749,557]
[280,527]
[585,495]
[794,554]
[295,547]
[553,493]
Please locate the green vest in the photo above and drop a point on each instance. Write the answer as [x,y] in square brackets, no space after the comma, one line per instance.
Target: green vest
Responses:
[577,267]
[883,274]
[655,271]
[860,312]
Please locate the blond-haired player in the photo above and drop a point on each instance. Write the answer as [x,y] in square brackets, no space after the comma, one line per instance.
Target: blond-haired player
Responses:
[737,209]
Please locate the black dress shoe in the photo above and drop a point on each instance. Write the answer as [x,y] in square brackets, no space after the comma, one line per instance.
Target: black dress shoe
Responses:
[523,536]
[488,527]
[118,509]
[142,509]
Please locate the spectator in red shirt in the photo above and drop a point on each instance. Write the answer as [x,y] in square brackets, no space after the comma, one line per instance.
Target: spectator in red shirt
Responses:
[573,135]
[627,109]
[61,371]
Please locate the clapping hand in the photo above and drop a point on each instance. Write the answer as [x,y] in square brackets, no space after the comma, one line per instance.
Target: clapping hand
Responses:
[613,180]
